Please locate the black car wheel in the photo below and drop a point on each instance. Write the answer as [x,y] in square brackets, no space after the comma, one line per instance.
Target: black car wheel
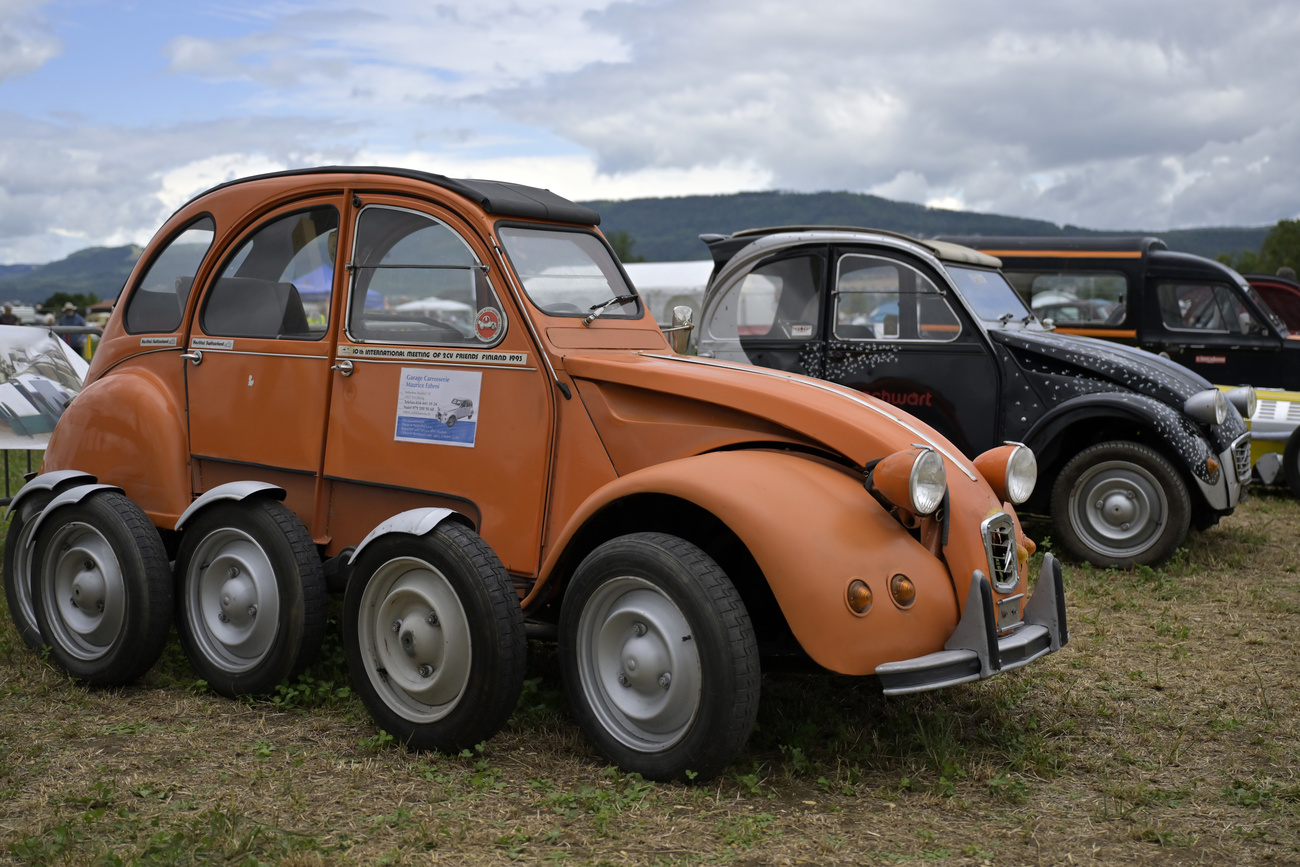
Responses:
[434,638]
[18,568]
[101,590]
[659,658]
[250,605]
[1120,504]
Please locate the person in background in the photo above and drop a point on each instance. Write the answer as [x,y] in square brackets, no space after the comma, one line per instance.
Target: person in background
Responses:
[1286,272]
[8,317]
[72,317]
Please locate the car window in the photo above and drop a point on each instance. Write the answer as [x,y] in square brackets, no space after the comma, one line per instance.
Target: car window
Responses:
[780,300]
[416,280]
[884,299]
[158,302]
[568,273]
[1204,307]
[279,282]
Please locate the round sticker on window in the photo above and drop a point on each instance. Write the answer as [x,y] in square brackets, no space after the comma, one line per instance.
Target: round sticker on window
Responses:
[487,324]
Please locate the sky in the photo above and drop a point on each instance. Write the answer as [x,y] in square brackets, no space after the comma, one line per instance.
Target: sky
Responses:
[1107,114]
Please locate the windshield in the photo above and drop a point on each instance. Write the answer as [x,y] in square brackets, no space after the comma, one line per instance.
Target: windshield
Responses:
[1263,306]
[990,295]
[568,273]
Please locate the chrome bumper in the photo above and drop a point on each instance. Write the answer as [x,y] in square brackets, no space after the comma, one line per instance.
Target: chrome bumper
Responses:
[974,651]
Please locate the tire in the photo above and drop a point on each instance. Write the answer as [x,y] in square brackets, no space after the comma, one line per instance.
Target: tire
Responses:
[101,589]
[250,596]
[1290,464]
[1120,504]
[451,421]
[659,658]
[18,570]
[434,638]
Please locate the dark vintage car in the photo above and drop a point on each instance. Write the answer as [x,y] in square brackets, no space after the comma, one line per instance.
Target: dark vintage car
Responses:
[1198,312]
[1281,294]
[1132,448]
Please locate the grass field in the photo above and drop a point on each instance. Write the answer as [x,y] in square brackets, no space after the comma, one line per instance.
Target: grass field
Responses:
[1165,733]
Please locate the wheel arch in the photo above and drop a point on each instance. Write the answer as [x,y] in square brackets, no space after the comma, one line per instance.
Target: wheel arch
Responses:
[236,491]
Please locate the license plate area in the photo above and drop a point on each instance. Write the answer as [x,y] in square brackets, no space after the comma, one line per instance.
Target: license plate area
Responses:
[1009,612]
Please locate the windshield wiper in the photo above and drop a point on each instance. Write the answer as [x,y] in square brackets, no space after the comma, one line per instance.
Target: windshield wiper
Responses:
[597,309]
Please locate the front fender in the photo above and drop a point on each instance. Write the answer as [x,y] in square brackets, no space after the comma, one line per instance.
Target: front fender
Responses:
[1173,428]
[812,529]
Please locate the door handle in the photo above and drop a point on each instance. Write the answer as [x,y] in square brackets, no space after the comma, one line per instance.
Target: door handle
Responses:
[344,367]
[195,356]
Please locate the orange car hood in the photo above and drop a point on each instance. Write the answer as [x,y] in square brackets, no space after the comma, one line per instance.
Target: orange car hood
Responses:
[650,408]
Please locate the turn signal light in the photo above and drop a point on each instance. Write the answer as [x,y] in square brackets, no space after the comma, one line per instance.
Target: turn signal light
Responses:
[1211,466]
[903,590]
[859,596]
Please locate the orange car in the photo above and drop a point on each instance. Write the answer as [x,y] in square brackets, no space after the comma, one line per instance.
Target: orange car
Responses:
[267,417]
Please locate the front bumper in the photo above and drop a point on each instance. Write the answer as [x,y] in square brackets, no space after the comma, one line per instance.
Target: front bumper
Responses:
[975,651]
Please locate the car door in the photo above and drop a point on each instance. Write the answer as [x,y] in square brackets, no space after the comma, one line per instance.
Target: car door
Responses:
[438,398]
[896,331]
[259,372]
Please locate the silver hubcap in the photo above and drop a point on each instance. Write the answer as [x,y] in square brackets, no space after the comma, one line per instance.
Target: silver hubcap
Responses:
[415,639]
[232,601]
[638,663]
[1118,509]
[83,587]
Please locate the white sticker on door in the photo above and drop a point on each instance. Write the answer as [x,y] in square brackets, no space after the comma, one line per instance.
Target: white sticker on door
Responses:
[438,406]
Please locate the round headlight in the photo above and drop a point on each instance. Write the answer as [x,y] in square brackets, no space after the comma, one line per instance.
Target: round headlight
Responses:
[1244,399]
[927,482]
[1207,407]
[1022,474]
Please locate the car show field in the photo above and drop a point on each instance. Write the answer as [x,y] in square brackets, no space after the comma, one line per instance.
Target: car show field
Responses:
[1165,733]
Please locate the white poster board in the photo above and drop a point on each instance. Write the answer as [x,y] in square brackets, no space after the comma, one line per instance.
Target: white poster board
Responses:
[39,376]
[438,405]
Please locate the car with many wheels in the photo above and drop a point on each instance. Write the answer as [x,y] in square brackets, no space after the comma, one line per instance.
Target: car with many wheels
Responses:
[552,465]
[1134,450]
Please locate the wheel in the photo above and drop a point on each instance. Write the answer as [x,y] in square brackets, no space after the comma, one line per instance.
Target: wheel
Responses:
[17,568]
[1290,465]
[101,589]
[250,596]
[658,658]
[434,638]
[1120,504]
[451,421]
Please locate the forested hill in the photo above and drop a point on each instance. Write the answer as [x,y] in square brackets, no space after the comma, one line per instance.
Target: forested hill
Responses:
[666,230]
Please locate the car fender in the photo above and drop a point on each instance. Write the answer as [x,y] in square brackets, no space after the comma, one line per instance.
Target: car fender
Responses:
[71,495]
[1173,428]
[240,490]
[827,532]
[54,481]
[413,522]
[128,426]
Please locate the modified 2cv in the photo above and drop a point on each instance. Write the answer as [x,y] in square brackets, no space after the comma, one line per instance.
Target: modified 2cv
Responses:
[267,417]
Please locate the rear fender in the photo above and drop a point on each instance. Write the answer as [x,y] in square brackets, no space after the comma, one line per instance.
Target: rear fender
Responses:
[812,529]
[57,481]
[230,491]
[71,495]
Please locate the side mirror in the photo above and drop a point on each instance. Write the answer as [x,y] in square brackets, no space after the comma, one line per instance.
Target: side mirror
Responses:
[680,332]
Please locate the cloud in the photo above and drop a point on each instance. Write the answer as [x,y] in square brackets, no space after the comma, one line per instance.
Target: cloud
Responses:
[26,41]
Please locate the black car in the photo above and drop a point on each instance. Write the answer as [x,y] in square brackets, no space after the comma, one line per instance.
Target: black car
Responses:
[1132,448]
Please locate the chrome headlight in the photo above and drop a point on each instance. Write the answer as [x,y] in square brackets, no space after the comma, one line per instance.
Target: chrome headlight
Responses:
[913,479]
[1011,470]
[1207,407]
[1243,398]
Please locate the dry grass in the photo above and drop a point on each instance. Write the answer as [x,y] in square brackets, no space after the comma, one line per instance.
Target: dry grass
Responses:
[1165,733]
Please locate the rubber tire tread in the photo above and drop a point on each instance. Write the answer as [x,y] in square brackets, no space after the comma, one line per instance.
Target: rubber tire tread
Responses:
[1291,463]
[488,701]
[314,602]
[149,596]
[728,710]
[28,629]
[1176,493]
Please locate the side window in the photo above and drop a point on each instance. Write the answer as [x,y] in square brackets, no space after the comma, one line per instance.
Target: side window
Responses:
[882,299]
[1083,299]
[279,282]
[1204,307]
[780,300]
[415,280]
[158,302]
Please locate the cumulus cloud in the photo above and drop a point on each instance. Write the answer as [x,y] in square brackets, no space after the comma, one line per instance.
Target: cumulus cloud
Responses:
[26,41]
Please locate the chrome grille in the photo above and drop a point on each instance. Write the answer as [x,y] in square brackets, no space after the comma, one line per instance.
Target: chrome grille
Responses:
[999,533]
[1241,457]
